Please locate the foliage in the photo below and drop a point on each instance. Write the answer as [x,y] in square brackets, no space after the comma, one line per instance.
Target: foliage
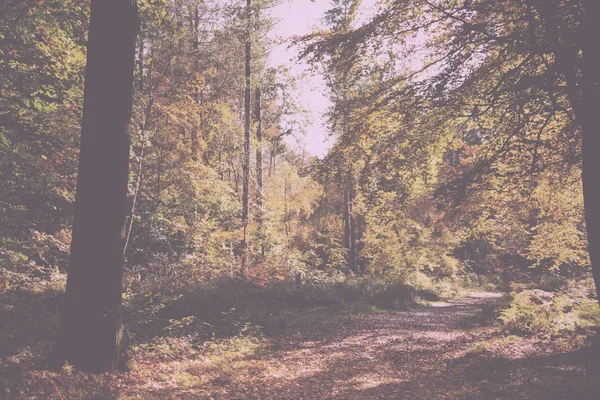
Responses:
[546,314]
[42,64]
[435,172]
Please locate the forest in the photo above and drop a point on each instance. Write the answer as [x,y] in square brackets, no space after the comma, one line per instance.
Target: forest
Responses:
[299,199]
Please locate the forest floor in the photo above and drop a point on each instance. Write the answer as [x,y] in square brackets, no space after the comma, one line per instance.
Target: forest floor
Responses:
[435,352]
[444,350]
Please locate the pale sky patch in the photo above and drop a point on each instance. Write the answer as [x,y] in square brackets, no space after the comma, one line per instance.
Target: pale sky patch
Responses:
[297,18]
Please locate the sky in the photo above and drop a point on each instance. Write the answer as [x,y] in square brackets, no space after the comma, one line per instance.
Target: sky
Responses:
[300,17]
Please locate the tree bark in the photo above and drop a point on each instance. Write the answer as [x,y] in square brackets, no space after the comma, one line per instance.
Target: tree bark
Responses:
[325,203]
[246,154]
[197,94]
[350,241]
[358,245]
[286,218]
[141,64]
[349,228]
[591,135]
[90,336]
[586,107]
[136,192]
[259,156]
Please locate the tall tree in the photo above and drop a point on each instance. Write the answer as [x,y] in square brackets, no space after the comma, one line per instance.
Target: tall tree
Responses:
[259,153]
[90,336]
[246,152]
[591,136]
[198,93]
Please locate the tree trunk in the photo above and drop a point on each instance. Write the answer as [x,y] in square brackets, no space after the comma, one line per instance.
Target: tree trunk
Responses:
[136,192]
[90,336]
[325,203]
[348,229]
[141,64]
[246,155]
[285,207]
[353,252]
[349,224]
[259,156]
[272,156]
[259,167]
[591,136]
[197,96]
[586,108]
[360,231]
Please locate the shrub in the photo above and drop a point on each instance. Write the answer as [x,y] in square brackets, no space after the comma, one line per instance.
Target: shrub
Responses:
[529,314]
[544,314]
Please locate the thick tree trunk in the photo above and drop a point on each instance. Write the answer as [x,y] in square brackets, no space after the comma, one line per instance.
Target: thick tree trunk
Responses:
[246,155]
[90,336]
[585,102]
[591,133]
[565,53]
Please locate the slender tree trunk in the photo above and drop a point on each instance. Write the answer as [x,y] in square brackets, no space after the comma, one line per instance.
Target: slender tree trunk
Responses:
[360,231]
[285,207]
[271,158]
[141,64]
[353,250]
[137,191]
[259,156]
[259,165]
[158,175]
[142,132]
[246,155]
[326,202]
[195,44]
[347,227]
[90,336]
[220,155]
[201,130]
[319,212]
[591,133]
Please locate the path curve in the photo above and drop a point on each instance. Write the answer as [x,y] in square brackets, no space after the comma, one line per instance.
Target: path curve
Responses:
[427,353]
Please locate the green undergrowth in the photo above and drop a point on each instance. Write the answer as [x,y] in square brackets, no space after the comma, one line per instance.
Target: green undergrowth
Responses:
[220,332]
[232,306]
[567,308]
[220,326]
[549,315]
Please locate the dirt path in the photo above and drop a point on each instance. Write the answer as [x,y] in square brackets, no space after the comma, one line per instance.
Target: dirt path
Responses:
[429,353]
[434,352]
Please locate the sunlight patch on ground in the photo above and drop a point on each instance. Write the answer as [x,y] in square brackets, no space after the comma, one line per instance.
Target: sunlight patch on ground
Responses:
[437,304]
[486,295]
